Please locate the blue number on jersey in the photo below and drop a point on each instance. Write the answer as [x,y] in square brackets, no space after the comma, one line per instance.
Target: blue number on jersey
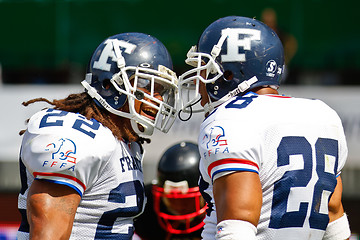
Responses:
[203,185]
[45,121]
[323,147]
[131,196]
[280,218]
[78,124]
[245,101]
[92,124]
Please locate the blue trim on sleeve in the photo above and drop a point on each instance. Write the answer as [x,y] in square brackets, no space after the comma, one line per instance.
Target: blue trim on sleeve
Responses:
[233,169]
[62,183]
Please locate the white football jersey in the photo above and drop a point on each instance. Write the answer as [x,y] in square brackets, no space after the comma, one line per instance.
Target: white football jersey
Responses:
[66,148]
[298,148]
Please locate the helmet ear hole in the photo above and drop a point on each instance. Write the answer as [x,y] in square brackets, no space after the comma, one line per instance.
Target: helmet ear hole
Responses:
[106,84]
[228,75]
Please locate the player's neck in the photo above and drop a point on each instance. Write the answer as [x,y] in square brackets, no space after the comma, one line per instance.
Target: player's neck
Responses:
[265,90]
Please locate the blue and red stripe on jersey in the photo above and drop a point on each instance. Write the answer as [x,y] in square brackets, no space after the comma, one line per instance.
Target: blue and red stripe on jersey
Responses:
[233,164]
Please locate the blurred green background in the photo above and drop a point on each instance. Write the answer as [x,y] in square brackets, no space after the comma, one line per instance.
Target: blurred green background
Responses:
[51,41]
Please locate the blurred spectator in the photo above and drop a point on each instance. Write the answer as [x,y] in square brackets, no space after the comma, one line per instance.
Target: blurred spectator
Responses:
[269,17]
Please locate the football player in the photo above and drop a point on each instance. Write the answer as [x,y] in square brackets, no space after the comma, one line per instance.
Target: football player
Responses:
[270,164]
[81,159]
[175,208]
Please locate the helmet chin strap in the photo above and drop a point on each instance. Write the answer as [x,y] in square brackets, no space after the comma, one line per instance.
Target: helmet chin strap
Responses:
[215,51]
[242,87]
[94,94]
[134,124]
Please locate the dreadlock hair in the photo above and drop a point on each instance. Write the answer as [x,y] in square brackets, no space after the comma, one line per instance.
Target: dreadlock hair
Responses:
[83,104]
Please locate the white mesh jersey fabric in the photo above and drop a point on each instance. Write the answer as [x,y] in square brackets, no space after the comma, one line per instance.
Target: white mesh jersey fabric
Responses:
[68,149]
[297,146]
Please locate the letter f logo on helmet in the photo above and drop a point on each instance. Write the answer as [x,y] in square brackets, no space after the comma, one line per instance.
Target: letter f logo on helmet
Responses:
[238,37]
[112,49]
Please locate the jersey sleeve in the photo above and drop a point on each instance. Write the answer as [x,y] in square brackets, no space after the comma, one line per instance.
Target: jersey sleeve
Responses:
[343,149]
[64,155]
[223,150]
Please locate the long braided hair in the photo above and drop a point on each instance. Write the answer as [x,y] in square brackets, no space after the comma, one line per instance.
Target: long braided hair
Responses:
[83,104]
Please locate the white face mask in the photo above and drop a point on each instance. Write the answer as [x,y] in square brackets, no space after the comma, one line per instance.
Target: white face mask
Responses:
[144,86]
[189,82]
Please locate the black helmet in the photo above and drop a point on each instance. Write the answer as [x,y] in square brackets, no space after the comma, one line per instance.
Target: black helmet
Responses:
[180,162]
[177,199]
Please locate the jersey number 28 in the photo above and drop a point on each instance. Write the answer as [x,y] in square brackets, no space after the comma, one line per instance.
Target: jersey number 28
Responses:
[326,153]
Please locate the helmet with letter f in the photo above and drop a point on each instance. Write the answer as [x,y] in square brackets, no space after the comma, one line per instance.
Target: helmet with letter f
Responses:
[238,54]
[130,67]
